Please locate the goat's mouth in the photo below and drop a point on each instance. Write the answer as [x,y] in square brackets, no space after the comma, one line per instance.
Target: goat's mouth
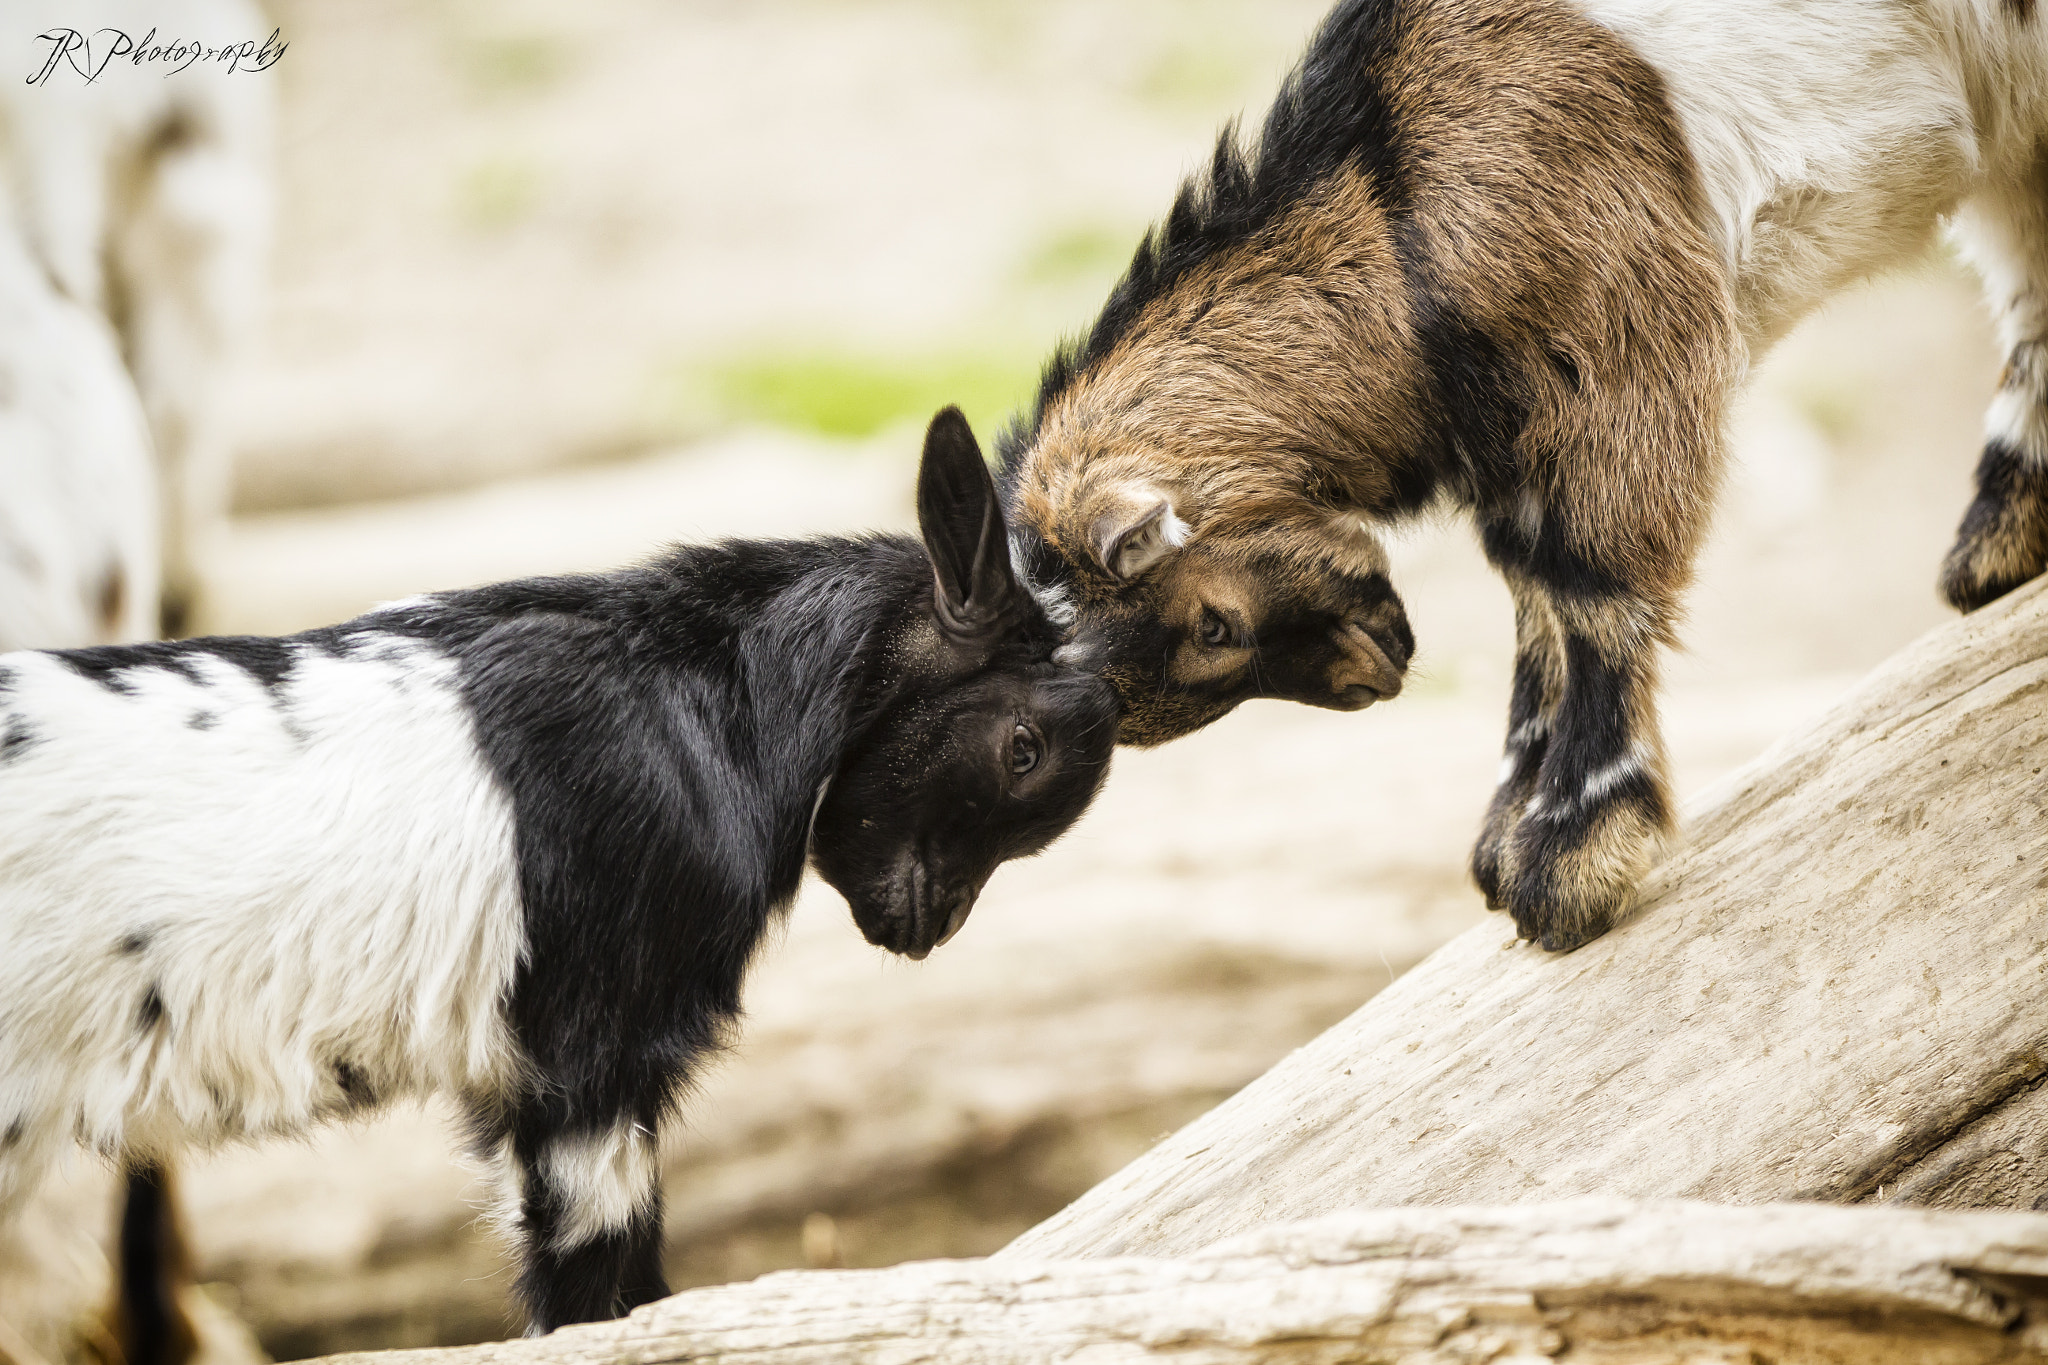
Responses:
[1356,697]
[919,912]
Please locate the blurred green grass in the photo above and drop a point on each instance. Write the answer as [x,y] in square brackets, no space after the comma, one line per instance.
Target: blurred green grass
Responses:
[498,65]
[1085,256]
[497,194]
[851,391]
[1193,75]
[847,393]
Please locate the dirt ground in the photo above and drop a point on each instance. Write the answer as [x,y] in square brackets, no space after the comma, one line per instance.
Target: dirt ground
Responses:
[519,242]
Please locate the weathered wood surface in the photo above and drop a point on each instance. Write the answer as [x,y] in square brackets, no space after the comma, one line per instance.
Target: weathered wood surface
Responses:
[1584,1281]
[1837,990]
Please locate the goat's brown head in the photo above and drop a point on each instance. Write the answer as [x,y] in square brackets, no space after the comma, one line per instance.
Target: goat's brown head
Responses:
[1192,472]
[1187,612]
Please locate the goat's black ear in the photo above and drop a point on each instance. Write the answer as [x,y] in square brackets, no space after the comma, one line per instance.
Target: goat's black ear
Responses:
[963,531]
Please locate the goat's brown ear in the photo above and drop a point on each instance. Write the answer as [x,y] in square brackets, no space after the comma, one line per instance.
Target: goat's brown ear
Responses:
[1137,533]
[964,533]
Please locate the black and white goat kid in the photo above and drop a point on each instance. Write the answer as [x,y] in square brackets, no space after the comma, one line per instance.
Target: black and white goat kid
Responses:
[516,845]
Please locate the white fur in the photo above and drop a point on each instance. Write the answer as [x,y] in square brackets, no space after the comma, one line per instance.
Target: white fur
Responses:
[1597,784]
[1055,601]
[325,876]
[2018,415]
[1159,537]
[78,492]
[152,190]
[1833,136]
[1605,779]
[607,1178]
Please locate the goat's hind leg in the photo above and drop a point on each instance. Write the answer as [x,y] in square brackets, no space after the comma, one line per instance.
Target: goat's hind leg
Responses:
[589,1219]
[2003,540]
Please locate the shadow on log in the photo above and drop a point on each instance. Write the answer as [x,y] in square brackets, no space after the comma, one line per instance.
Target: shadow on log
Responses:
[1833,991]
[1586,1281]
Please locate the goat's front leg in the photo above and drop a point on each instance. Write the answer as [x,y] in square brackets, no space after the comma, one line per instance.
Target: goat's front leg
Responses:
[1532,712]
[1584,807]
[589,1219]
[2003,540]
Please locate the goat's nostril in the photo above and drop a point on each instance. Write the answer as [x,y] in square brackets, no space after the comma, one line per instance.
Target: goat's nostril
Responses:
[1388,628]
[962,904]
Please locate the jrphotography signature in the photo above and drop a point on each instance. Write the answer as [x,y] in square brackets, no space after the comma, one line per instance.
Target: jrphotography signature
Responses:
[89,54]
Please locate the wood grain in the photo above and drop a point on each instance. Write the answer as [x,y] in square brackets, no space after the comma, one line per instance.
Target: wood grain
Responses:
[1833,991]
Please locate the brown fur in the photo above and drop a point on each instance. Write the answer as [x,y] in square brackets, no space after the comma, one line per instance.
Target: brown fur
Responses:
[1284,378]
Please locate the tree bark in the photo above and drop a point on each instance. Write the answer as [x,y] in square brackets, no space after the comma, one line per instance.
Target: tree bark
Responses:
[1833,991]
[1584,1281]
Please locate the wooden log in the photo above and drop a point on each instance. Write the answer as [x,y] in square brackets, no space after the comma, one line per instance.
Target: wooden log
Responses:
[1833,991]
[1583,1281]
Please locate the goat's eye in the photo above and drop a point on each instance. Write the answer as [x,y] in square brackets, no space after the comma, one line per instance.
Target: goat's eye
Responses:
[1215,630]
[1023,751]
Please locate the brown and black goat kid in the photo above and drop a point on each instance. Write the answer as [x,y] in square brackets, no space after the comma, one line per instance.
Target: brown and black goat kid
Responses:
[1513,256]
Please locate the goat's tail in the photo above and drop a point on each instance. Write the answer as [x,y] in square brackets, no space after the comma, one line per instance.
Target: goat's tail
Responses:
[152,1267]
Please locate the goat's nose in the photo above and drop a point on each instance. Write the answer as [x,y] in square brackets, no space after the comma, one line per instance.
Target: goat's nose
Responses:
[1387,623]
[1362,670]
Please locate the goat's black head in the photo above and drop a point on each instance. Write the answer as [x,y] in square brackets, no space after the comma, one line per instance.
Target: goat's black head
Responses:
[986,751]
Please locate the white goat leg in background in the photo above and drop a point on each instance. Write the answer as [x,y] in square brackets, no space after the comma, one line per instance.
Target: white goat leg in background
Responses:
[78,514]
[147,199]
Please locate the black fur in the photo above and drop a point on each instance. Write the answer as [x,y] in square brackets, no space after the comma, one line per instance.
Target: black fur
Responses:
[268,660]
[1549,557]
[2003,539]
[664,734]
[1592,731]
[1528,744]
[17,737]
[151,1327]
[1479,406]
[354,1086]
